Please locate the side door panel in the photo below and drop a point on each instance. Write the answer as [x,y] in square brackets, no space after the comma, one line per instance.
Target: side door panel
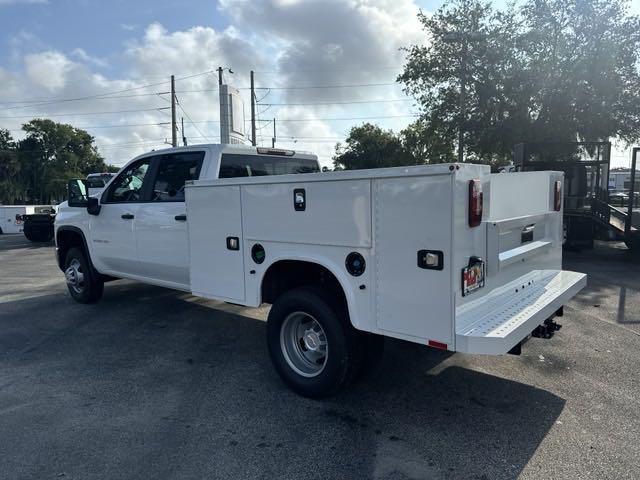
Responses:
[112,240]
[112,243]
[161,224]
[162,242]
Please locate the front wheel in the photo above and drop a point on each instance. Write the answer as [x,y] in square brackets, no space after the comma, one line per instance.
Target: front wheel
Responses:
[312,345]
[84,284]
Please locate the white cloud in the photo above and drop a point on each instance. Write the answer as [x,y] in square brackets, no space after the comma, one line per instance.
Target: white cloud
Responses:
[48,70]
[289,43]
[81,54]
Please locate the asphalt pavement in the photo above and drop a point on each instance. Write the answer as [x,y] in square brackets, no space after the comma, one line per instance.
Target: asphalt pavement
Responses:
[155,384]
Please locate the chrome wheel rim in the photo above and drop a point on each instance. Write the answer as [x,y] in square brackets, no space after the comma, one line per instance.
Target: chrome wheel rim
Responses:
[74,276]
[304,344]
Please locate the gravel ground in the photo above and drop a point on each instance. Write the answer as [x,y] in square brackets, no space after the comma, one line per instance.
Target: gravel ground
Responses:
[151,383]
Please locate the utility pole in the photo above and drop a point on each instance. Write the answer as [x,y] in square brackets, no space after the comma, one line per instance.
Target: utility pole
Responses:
[184,137]
[174,127]
[253,112]
[220,69]
[273,139]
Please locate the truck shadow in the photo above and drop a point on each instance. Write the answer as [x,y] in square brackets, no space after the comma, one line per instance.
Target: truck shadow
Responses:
[17,241]
[168,387]
[611,285]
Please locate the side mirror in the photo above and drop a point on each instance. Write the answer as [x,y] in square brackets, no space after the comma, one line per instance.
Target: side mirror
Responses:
[77,192]
[93,206]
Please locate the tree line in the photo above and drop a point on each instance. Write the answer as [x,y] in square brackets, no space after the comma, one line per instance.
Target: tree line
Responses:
[538,71]
[35,170]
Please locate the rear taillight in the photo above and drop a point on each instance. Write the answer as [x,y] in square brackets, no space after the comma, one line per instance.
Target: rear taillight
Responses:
[557,196]
[475,203]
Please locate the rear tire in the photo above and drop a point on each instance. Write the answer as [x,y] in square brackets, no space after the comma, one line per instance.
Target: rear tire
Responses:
[28,233]
[85,284]
[312,344]
[38,234]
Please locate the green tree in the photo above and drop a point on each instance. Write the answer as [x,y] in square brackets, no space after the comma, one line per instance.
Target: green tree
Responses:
[424,145]
[50,154]
[369,146]
[550,70]
[9,168]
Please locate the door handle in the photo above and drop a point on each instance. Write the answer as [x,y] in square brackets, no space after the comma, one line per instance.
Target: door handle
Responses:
[181,218]
[127,216]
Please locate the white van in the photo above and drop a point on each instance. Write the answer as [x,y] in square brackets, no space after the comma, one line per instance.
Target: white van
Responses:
[11,218]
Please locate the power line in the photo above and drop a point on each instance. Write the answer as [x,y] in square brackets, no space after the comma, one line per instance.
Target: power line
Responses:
[192,123]
[124,125]
[303,87]
[113,94]
[353,102]
[344,118]
[88,97]
[355,69]
[106,94]
[359,85]
[44,115]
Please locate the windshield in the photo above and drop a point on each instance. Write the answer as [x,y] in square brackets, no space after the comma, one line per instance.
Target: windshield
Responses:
[237,165]
[95,182]
[99,181]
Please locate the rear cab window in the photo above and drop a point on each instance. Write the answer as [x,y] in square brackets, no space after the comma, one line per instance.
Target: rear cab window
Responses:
[234,165]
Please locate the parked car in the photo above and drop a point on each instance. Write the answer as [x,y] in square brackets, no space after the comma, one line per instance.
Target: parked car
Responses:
[97,181]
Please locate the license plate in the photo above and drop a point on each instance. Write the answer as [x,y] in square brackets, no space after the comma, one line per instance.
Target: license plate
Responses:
[472,277]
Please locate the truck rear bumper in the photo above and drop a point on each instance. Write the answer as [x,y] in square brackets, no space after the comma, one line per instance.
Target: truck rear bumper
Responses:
[495,323]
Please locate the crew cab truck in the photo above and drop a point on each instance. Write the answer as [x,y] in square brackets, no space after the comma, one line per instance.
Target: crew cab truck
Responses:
[448,255]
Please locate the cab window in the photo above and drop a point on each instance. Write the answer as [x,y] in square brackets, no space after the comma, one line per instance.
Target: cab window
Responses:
[173,171]
[127,187]
[238,165]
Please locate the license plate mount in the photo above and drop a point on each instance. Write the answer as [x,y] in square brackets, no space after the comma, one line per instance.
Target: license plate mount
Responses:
[473,276]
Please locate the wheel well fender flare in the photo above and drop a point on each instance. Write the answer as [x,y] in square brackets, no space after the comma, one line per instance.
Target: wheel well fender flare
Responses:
[61,251]
[332,267]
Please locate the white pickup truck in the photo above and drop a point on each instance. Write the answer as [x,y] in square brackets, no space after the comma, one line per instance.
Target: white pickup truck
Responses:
[449,256]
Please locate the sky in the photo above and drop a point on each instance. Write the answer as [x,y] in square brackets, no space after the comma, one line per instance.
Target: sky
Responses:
[104,65]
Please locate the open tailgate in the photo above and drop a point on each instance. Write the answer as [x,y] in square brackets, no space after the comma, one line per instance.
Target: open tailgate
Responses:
[525,284]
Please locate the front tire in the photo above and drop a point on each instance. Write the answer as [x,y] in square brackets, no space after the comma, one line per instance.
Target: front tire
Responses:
[84,284]
[312,344]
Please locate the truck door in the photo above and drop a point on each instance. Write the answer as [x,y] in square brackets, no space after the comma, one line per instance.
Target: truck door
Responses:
[113,243]
[161,223]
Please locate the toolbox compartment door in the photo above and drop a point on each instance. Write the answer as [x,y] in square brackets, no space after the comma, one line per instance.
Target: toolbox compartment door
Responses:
[413,215]
[214,217]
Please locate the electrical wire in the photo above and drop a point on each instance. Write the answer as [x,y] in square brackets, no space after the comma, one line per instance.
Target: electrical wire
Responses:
[189,118]
[355,69]
[306,87]
[44,115]
[339,102]
[105,94]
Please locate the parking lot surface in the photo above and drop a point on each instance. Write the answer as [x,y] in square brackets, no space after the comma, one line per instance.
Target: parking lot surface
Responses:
[151,383]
